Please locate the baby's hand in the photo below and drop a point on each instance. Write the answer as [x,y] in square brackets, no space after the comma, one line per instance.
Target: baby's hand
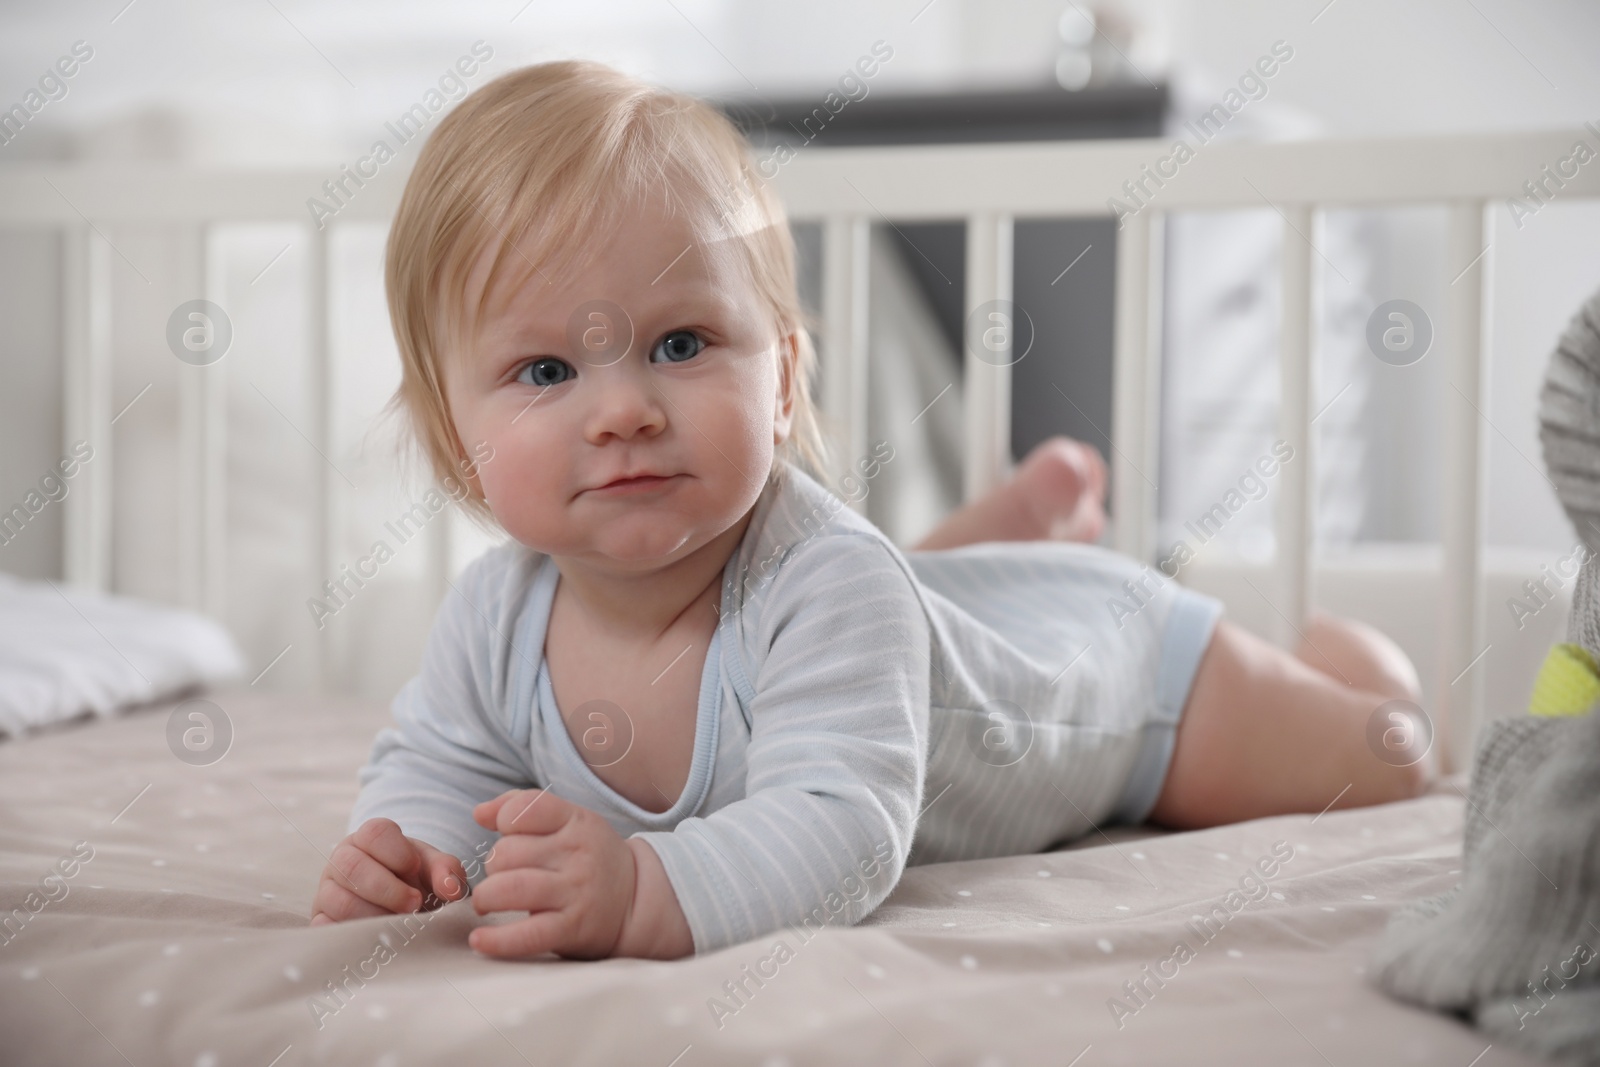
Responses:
[380,871]
[561,863]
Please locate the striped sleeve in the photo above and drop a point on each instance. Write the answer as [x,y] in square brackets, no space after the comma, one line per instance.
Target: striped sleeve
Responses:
[835,762]
[448,751]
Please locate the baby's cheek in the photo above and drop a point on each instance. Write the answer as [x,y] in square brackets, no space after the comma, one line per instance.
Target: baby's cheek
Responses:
[519,490]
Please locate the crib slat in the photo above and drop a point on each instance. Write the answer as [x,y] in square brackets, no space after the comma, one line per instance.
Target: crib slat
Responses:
[86,367]
[988,377]
[202,431]
[1459,692]
[214,482]
[324,514]
[845,292]
[1135,441]
[1295,514]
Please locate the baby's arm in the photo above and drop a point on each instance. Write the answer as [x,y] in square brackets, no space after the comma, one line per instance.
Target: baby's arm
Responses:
[836,757]
[834,770]
[449,748]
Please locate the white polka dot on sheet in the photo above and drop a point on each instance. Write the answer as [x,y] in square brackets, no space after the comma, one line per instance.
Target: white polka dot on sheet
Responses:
[291,972]
[148,997]
[1234,953]
[172,949]
[206,1059]
[1105,946]
[963,892]
[875,971]
[1368,896]
[969,962]
[1044,874]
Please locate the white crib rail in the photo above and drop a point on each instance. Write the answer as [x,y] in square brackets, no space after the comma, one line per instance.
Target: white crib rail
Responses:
[987,183]
[988,186]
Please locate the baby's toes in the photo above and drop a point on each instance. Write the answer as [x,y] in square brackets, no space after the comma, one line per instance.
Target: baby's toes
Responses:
[1097,472]
[1060,484]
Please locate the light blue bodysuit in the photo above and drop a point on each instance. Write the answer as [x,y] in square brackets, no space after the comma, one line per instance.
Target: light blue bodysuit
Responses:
[860,708]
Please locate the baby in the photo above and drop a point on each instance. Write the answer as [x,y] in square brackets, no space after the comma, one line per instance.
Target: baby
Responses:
[695,699]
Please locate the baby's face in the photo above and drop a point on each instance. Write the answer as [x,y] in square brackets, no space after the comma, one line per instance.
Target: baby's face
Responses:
[629,456]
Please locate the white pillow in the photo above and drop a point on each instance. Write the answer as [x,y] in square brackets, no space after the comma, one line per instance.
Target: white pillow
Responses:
[66,652]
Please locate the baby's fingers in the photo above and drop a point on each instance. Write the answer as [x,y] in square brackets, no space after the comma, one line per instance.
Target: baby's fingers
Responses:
[384,841]
[443,873]
[523,939]
[357,873]
[524,811]
[522,889]
[335,903]
[487,812]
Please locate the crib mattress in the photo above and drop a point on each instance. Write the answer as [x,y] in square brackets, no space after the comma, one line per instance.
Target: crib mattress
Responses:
[180,936]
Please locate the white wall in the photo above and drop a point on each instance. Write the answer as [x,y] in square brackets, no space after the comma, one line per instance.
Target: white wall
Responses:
[303,83]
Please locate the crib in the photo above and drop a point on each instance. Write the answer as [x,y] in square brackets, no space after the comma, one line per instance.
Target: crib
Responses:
[1015,957]
[847,190]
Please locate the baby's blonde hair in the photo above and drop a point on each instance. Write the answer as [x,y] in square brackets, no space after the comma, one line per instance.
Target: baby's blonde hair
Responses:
[553,152]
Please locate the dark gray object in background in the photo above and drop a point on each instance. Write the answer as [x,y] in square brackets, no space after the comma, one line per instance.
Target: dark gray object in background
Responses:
[1064,384]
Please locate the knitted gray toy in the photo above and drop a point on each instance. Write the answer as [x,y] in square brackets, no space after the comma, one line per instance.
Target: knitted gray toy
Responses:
[1515,947]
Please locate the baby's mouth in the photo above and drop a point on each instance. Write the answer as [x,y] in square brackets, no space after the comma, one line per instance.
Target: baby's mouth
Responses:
[637,483]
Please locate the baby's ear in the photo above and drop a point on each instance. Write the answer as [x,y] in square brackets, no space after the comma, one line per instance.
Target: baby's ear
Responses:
[783,402]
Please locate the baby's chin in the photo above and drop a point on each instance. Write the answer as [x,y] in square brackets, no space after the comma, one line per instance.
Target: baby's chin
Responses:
[642,548]
[635,543]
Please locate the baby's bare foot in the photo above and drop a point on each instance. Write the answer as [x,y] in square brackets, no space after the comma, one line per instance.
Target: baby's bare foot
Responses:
[1057,493]
[1062,484]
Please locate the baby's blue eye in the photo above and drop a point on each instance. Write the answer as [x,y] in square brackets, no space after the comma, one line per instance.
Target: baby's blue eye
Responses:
[546,371]
[677,346]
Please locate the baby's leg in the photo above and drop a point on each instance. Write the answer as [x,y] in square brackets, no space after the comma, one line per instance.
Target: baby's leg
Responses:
[1263,733]
[1058,493]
